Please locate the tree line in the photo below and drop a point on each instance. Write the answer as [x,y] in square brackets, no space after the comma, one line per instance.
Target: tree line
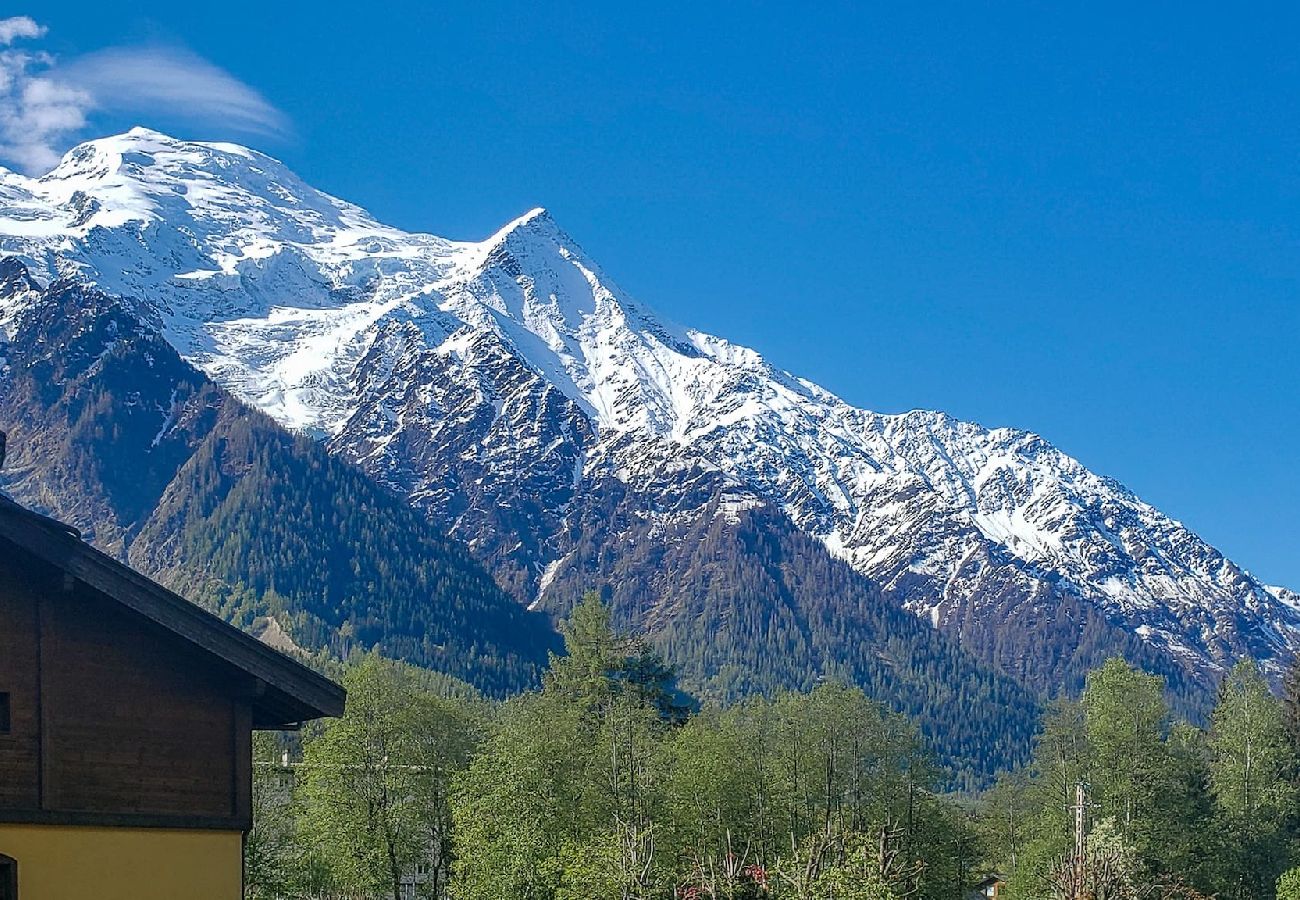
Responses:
[1172,810]
[608,782]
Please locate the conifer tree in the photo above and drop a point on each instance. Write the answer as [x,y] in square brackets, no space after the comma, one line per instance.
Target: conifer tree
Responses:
[1291,703]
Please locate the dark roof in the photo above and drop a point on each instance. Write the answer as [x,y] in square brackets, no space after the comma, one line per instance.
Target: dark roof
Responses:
[286,692]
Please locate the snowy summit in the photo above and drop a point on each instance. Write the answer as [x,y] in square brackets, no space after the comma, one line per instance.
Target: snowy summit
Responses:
[514,370]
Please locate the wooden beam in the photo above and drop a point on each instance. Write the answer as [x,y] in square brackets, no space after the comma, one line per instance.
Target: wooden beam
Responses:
[123,820]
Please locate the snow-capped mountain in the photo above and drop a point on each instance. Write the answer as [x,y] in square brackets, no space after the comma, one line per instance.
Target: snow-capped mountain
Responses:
[504,384]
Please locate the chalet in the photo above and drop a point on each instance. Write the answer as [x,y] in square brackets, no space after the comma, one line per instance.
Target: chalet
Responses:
[989,888]
[126,721]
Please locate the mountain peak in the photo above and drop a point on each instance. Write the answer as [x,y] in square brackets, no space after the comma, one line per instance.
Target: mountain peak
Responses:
[537,221]
[533,215]
[142,131]
[393,343]
[105,156]
[140,137]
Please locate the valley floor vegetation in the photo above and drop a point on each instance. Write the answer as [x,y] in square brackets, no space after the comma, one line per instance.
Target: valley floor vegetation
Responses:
[607,784]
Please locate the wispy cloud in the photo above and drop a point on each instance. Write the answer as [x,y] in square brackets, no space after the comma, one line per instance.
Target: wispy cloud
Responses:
[45,102]
[145,79]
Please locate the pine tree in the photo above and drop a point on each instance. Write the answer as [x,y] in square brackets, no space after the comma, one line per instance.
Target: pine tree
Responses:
[1291,703]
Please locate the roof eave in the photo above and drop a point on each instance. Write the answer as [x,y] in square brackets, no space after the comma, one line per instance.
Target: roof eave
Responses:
[311,694]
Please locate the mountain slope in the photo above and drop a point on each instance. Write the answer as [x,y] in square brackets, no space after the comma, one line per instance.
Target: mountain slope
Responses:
[110,430]
[497,384]
[742,602]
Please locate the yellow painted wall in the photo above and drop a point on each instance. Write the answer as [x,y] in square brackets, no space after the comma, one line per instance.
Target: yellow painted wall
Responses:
[62,863]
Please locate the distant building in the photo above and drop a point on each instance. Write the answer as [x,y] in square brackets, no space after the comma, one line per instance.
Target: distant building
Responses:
[989,888]
[126,720]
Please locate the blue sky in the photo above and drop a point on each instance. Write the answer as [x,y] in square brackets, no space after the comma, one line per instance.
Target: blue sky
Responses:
[1081,220]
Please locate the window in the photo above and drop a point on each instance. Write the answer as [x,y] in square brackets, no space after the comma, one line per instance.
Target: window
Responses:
[4,729]
[8,878]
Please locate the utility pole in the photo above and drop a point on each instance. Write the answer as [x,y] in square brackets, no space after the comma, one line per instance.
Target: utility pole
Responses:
[1078,861]
[1080,805]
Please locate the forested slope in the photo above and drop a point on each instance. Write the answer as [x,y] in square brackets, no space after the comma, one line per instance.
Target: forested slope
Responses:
[112,432]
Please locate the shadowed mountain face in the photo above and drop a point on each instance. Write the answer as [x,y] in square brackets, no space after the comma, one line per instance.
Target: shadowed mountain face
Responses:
[111,431]
[511,391]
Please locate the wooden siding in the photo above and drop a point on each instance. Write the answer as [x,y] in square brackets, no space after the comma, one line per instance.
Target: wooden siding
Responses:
[114,720]
[19,663]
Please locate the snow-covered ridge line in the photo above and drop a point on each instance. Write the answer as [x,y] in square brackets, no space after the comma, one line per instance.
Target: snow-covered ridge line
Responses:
[518,359]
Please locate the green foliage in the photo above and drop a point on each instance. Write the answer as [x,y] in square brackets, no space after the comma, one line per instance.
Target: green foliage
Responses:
[1288,885]
[589,788]
[1248,744]
[272,846]
[856,875]
[375,788]
[560,800]
[1291,703]
[1174,811]
[1111,866]
[592,788]
[1252,766]
[1126,720]
[598,665]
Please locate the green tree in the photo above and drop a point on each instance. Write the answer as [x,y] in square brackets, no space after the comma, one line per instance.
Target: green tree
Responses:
[1062,759]
[1004,825]
[600,664]
[1188,841]
[520,802]
[1145,778]
[375,783]
[1288,885]
[858,872]
[1291,702]
[717,794]
[1251,766]
[783,786]
[271,848]
[563,799]
[1126,720]
[593,659]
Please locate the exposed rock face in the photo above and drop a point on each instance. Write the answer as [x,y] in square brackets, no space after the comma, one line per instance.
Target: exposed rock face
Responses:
[508,386]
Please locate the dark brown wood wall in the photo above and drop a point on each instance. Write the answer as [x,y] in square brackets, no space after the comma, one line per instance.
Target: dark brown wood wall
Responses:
[115,721]
[19,662]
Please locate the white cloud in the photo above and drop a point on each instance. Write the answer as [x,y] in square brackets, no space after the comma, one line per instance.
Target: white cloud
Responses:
[45,102]
[36,112]
[16,27]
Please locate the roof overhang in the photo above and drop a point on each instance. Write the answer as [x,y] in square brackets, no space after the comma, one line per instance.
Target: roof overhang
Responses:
[283,692]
